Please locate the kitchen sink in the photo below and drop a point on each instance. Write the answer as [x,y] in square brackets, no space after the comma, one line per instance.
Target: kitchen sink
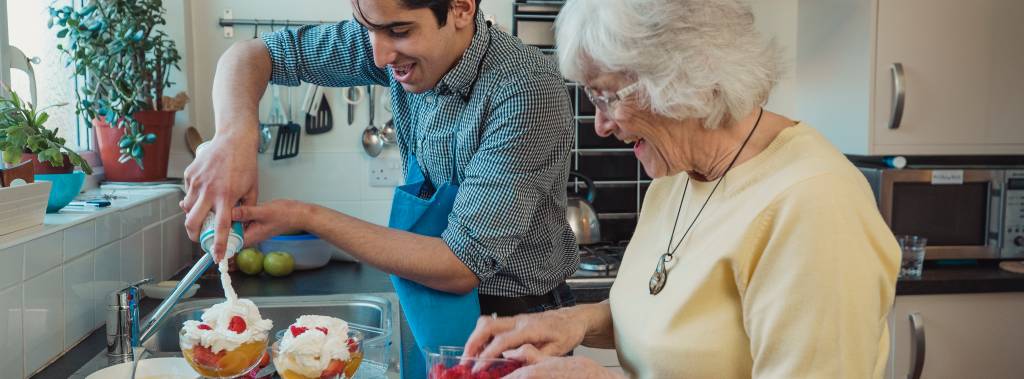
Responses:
[376,315]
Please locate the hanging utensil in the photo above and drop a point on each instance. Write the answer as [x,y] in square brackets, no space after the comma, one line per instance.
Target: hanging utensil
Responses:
[351,106]
[388,133]
[372,141]
[287,144]
[319,118]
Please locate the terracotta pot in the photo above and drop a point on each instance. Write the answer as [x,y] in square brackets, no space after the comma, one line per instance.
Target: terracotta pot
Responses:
[46,167]
[155,155]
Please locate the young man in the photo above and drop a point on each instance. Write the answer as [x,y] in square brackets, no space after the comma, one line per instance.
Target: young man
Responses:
[482,119]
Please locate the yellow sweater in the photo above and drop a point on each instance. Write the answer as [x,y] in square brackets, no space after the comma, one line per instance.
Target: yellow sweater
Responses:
[790,272]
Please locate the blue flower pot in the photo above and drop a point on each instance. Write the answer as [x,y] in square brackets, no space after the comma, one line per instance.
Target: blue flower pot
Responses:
[65,188]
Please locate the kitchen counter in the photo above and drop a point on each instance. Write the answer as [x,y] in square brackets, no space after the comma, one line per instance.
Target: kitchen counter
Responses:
[982,277]
[335,278]
[339,277]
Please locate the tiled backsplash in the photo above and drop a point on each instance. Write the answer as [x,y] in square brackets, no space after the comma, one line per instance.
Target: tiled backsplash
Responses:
[54,280]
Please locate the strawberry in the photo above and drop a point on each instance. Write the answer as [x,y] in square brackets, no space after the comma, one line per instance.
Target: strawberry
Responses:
[322,329]
[264,361]
[204,327]
[499,370]
[483,375]
[205,357]
[333,369]
[297,330]
[436,371]
[352,345]
[237,325]
[458,372]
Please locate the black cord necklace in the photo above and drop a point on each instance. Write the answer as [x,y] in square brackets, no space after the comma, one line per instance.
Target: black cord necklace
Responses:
[660,276]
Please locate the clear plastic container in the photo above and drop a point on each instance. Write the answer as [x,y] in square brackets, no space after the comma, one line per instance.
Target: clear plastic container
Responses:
[448,362]
[309,251]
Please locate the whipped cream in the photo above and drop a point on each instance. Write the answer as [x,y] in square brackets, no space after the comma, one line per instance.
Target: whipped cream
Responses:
[225,278]
[219,338]
[309,353]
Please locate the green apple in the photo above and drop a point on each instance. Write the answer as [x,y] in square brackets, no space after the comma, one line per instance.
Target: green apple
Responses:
[278,263]
[250,261]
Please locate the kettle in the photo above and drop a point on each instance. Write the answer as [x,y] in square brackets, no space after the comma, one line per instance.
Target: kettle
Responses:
[581,215]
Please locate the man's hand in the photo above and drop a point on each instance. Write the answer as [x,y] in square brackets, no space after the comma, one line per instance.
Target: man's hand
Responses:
[270,219]
[223,175]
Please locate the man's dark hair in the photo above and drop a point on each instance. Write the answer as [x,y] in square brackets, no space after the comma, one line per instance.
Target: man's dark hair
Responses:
[439,7]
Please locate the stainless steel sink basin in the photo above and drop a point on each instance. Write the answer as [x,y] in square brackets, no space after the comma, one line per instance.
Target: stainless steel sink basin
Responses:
[376,315]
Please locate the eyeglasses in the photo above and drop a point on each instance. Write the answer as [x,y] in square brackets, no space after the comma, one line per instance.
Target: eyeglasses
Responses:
[605,102]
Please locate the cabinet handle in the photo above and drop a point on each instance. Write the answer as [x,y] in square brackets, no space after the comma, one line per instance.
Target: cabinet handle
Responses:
[898,96]
[916,346]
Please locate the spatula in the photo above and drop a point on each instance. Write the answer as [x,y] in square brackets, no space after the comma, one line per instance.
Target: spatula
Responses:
[287,144]
[319,118]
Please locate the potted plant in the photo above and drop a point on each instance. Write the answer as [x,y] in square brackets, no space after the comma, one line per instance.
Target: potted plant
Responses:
[24,137]
[125,62]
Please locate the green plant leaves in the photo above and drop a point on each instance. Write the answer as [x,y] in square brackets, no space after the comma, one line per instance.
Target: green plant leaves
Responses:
[22,130]
[124,59]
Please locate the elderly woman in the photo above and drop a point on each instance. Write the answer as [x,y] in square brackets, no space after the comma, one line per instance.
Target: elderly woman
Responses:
[759,251]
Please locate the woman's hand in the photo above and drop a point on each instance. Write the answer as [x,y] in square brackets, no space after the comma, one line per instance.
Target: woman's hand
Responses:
[554,332]
[540,365]
[271,219]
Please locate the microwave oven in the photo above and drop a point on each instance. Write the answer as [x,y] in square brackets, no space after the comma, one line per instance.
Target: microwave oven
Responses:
[964,213]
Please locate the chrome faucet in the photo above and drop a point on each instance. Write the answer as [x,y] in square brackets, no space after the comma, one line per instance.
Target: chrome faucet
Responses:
[124,330]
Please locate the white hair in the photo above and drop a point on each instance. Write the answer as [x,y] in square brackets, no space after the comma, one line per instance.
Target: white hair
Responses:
[693,58]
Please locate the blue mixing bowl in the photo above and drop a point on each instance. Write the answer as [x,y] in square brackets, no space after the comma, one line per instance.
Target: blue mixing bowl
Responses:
[65,188]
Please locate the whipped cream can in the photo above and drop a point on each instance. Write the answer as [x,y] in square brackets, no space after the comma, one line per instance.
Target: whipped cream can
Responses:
[234,236]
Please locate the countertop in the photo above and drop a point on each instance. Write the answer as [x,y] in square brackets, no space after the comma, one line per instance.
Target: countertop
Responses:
[973,277]
[335,278]
[340,277]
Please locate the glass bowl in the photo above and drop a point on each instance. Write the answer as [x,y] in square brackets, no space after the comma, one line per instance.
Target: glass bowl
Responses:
[337,369]
[448,363]
[225,364]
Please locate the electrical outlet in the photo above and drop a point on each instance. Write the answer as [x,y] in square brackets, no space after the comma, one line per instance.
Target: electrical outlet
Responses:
[386,171]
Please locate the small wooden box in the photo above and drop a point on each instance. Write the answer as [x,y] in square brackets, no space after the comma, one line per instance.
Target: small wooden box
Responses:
[23,206]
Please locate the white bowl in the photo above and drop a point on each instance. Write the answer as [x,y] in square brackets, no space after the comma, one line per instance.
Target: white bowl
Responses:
[163,368]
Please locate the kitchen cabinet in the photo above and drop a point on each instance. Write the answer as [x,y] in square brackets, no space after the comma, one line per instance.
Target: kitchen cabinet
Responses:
[957,64]
[965,335]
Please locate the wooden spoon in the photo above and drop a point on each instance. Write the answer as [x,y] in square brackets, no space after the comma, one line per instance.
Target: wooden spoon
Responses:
[192,140]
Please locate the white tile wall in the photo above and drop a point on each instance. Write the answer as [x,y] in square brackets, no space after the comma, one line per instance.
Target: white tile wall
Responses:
[108,229]
[54,288]
[13,266]
[12,351]
[43,319]
[108,279]
[79,239]
[174,242]
[43,254]
[79,307]
[152,247]
[131,258]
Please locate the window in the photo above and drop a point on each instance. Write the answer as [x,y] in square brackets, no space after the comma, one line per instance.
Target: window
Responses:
[23,25]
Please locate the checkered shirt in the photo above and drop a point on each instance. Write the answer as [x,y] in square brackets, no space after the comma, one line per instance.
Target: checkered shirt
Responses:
[505,108]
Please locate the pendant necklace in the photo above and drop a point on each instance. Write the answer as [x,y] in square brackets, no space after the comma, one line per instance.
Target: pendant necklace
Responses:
[660,276]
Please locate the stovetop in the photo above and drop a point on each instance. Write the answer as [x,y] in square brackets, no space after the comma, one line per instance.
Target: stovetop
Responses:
[600,260]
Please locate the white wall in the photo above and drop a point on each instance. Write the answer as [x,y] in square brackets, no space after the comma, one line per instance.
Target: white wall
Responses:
[332,169]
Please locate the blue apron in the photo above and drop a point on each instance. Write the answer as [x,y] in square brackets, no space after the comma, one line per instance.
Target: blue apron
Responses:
[436,318]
